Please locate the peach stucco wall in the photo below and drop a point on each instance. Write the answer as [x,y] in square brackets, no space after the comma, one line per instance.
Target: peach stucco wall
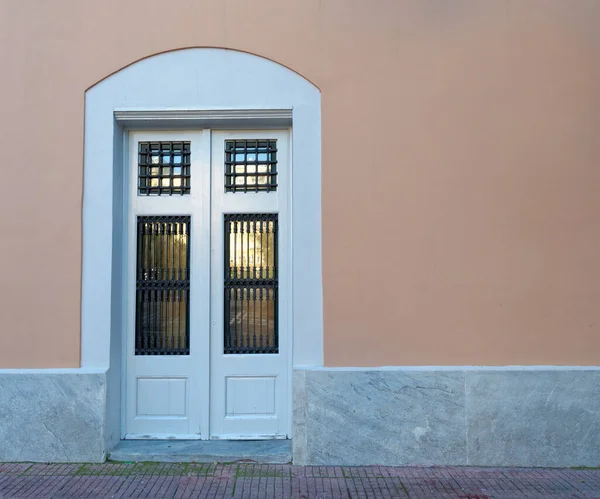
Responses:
[461,166]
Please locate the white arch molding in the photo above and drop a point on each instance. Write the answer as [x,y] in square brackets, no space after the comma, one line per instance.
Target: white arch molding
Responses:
[198,87]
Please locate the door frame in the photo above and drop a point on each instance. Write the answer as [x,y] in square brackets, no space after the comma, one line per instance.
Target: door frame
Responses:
[128,255]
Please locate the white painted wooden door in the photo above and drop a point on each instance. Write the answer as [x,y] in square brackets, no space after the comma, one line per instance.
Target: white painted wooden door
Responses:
[249,286]
[168,266]
[206,356]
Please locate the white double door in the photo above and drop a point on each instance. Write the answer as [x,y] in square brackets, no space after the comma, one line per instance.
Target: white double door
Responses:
[207,344]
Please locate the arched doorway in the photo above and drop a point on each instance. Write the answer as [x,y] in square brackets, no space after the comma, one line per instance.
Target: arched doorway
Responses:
[201,151]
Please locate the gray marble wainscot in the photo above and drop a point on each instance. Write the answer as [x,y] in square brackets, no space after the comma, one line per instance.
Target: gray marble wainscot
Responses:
[52,417]
[533,418]
[380,417]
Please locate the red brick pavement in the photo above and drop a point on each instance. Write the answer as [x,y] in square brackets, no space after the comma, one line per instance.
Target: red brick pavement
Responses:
[246,480]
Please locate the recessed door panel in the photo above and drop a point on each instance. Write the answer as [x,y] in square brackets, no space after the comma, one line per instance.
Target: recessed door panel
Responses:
[252,396]
[162,397]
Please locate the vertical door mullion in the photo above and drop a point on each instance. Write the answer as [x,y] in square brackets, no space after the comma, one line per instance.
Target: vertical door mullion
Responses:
[200,271]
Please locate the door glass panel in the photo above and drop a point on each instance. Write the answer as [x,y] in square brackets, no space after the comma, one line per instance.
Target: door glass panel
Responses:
[251,284]
[162,285]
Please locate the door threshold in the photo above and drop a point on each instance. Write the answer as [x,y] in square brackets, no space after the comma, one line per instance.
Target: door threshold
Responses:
[203,451]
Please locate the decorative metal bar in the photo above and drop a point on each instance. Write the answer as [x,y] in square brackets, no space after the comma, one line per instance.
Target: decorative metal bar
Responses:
[250,165]
[162,314]
[251,284]
[164,168]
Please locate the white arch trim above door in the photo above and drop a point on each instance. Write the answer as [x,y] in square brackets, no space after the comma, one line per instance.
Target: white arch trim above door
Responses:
[196,87]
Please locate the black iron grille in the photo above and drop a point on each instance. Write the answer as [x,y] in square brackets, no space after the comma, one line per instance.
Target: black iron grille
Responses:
[251,284]
[163,286]
[250,165]
[163,168]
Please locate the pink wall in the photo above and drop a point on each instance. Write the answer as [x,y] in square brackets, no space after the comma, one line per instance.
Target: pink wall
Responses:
[460,167]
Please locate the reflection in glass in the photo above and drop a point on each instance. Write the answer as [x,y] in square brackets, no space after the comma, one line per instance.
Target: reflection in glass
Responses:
[251,283]
[162,286]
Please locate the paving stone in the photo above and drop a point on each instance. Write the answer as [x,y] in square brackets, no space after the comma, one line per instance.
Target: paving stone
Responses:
[265,481]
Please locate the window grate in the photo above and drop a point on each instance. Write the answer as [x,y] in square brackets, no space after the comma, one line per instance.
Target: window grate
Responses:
[163,168]
[251,284]
[250,165]
[163,286]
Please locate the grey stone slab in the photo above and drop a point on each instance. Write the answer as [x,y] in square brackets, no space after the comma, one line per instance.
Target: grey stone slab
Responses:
[299,434]
[199,451]
[52,417]
[384,417]
[533,418]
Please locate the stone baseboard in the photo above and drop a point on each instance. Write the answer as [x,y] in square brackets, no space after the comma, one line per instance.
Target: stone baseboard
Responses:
[52,417]
[479,417]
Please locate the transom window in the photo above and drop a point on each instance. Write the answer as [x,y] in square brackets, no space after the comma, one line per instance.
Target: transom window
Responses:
[250,165]
[163,168]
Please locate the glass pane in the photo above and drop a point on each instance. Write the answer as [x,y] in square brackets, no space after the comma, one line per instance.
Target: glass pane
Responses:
[162,286]
[251,284]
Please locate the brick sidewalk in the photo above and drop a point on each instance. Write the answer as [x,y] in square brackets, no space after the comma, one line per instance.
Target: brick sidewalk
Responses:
[162,480]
